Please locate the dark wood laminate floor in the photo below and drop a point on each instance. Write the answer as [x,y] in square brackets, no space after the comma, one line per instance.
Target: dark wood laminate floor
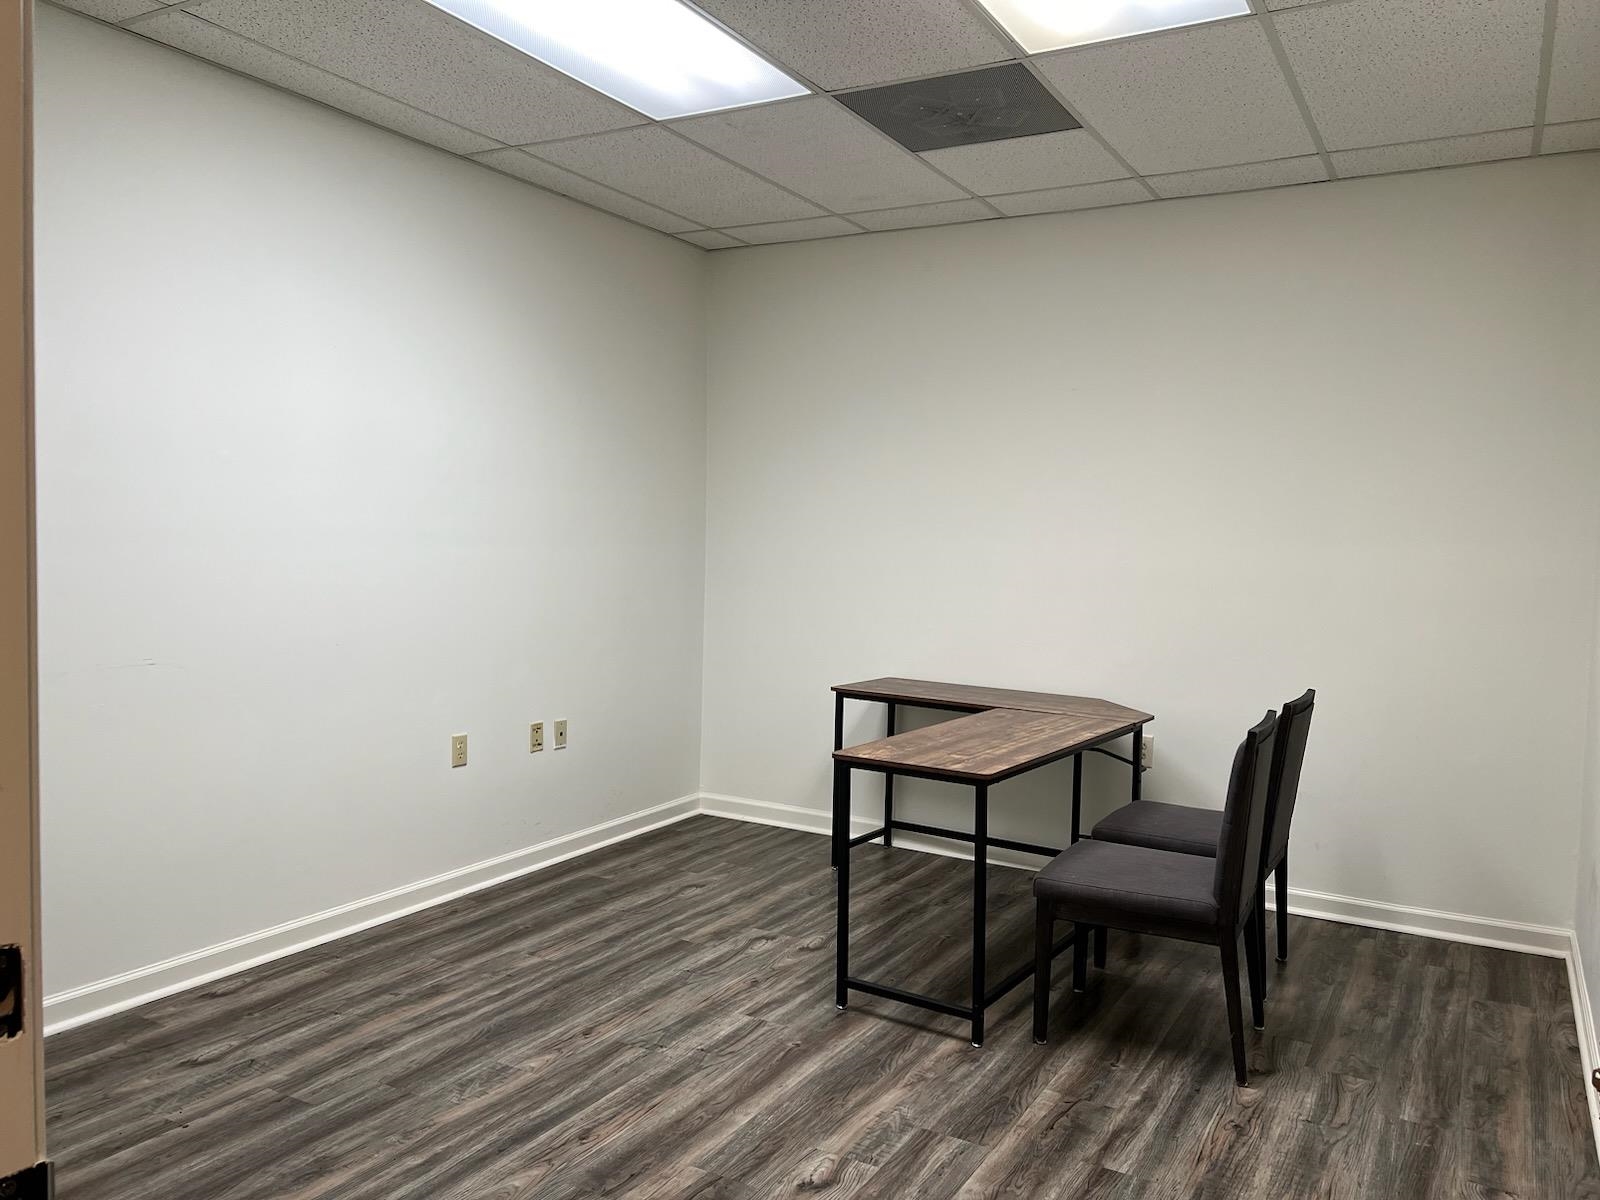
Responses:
[655,1020]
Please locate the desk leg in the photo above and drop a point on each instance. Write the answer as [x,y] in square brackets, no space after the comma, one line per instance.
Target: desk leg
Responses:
[1077,795]
[838,744]
[980,901]
[841,856]
[1138,758]
[888,792]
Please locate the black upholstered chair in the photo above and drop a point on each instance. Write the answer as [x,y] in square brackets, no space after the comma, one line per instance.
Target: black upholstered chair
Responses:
[1098,885]
[1196,830]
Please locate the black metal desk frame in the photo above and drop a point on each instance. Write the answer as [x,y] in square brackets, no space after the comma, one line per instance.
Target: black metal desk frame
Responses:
[983,994]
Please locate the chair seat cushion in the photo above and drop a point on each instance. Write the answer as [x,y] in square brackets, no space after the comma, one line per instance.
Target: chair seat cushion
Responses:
[1163,827]
[1132,887]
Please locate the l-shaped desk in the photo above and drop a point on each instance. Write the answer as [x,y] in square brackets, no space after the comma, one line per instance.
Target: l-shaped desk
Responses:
[1005,734]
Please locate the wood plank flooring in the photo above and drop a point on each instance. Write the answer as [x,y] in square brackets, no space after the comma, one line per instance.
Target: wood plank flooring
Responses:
[655,1021]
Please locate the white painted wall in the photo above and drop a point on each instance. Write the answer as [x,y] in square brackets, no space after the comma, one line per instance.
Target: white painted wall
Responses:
[1193,456]
[344,446]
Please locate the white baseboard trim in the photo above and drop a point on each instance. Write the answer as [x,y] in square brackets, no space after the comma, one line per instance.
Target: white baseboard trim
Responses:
[81,1005]
[1427,922]
[1588,1048]
[1455,927]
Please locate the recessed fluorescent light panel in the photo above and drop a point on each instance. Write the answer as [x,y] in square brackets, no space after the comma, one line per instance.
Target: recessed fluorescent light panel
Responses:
[658,56]
[1041,25]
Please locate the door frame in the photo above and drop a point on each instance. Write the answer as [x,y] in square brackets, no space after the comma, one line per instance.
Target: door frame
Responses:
[22,1142]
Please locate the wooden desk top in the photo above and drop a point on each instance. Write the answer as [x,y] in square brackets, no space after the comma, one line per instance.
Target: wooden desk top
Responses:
[965,697]
[988,746]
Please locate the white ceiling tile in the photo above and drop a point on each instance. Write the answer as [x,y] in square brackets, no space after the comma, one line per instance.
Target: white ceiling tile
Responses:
[1245,178]
[212,42]
[524,166]
[848,43]
[1575,62]
[112,10]
[1381,71]
[711,239]
[1207,96]
[950,213]
[416,53]
[794,231]
[664,169]
[1089,195]
[1445,152]
[1580,135]
[1027,163]
[820,149]
[1275,5]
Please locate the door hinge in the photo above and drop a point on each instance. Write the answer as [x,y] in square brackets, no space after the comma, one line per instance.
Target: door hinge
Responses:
[38,1182]
[11,991]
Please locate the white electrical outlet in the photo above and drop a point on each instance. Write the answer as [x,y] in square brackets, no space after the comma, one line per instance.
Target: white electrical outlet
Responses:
[561,735]
[536,737]
[458,750]
[1147,752]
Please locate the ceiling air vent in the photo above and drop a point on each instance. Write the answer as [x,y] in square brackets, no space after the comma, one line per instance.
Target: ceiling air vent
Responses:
[958,110]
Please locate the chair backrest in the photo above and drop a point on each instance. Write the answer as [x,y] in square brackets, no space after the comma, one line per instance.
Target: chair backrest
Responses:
[1244,822]
[1288,755]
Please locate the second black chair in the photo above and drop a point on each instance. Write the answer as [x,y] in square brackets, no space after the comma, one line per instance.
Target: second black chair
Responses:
[1097,885]
[1196,830]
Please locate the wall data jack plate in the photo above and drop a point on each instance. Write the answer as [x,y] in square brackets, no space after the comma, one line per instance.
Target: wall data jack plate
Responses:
[561,735]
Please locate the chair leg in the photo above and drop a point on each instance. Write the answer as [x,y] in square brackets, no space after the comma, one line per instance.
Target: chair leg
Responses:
[1283,907]
[1260,929]
[1080,956]
[1043,934]
[1255,954]
[1100,946]
[1230,990]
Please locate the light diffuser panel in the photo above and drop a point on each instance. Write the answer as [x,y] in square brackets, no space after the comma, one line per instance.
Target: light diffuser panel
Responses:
[658,56]
[1041,25]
